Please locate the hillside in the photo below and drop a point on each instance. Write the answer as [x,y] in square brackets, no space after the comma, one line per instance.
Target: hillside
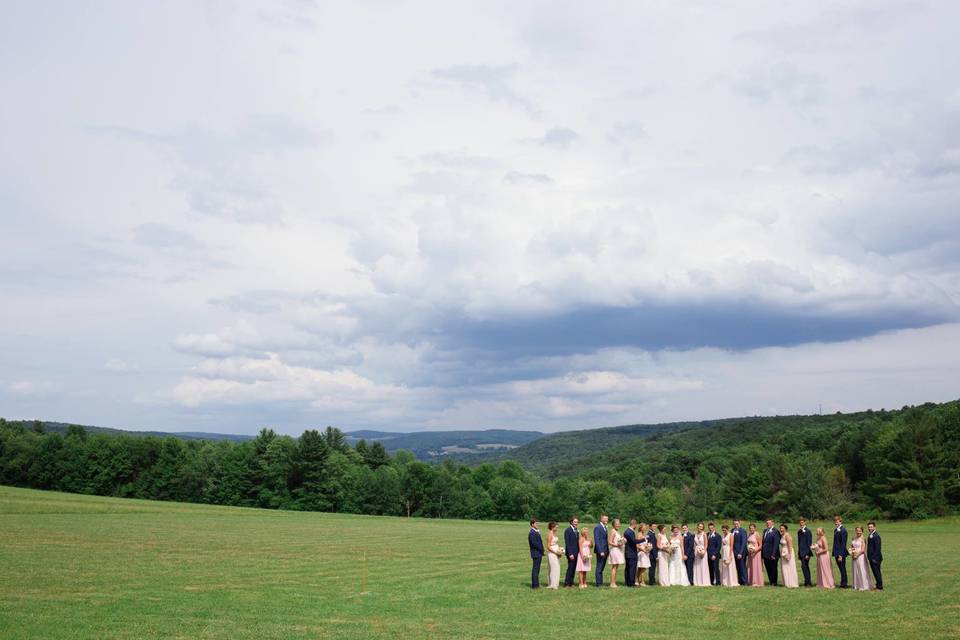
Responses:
[436,445]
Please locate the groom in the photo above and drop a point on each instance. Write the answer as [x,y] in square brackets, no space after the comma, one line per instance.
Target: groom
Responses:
[688,542]
[602,548]
[839,551]
[714,548]
[652,540]
[536,553]
[771,552]
[804,542]
[874,556]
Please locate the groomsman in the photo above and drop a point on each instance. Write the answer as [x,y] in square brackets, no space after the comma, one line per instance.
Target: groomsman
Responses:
[740,551]
[804,542]
[688,547]
[839,551]
[714,548]
[536,553]
[771,552]
[602,548]
[654,552]
[571,543]
[874,556]
[630,553]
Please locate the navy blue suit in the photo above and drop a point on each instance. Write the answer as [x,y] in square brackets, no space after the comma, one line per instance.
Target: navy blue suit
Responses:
[654,552]
[602,548]
[630,553]
[714,548]
[740,553]
[804,542]
[571,543]
[771,553]
[875,557]
[840,553]
[688,546]
[536,554]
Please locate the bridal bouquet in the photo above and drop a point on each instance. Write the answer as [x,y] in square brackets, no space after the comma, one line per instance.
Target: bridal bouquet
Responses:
[674,546]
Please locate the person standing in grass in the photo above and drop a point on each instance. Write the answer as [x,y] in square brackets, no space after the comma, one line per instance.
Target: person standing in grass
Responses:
[739,537]
[630,555]
[654,552]
[839,551]
[583,557]
[788,564]
[644,549]
[714,548]
[728,563]
[771,552]
[601,547]
[755,551]
[571,542]
[536,553]
[858,551]
[804,542]
[663,559]
[701,569]
[874,555]
[824,568]
[688,552]
[553,557]
[615,542]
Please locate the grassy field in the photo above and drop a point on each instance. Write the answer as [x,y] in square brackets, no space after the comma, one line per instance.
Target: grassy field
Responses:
[88,567]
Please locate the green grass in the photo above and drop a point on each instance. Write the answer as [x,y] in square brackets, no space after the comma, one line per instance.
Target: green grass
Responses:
[89,567]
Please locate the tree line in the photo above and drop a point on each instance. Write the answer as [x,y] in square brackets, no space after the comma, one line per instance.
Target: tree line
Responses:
[899,464]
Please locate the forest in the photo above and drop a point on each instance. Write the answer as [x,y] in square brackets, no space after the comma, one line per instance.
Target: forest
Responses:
[882,464]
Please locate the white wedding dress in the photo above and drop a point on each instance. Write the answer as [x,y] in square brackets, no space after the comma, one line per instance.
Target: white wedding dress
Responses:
[678,571]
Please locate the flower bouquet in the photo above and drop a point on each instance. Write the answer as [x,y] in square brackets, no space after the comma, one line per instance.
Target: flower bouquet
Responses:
[784,552]
[752,548]
[701,552]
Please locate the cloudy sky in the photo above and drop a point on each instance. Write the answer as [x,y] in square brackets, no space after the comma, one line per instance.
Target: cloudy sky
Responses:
[425,215]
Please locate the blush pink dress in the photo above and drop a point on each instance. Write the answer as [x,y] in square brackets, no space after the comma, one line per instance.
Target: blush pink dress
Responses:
[728,564]
[788,565]
[583,560]
[701,570]
[824,566]
[754,563]
[861,574]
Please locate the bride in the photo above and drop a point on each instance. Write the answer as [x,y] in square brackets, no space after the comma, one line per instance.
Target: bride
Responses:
[676,567]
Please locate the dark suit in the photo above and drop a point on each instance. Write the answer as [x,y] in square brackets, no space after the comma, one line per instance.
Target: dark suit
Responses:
[875,557]
[840,553]
[654,552]
[804,542]
[771,553]
[688,546]
[536,554]
[630,553]
[714,548]
[740,553]
[602,548]
[571,542]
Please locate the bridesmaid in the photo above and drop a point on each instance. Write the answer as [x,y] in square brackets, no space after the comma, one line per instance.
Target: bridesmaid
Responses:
[583,559]
[858,551]
[663,557]
[643,555]
[788,565]
[553,557]
[728,568]
[616,543]
[824,564]
[701,570]
[754,559]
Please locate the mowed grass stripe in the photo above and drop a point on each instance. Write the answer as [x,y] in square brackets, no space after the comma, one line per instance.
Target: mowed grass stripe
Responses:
[90,567]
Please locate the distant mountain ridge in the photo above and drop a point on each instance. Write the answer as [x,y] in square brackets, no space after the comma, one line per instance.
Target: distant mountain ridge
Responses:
[434,445]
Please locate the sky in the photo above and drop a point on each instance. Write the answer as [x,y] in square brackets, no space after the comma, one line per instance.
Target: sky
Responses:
[221,216]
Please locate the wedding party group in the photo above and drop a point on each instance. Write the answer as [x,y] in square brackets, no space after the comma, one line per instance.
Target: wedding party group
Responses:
[653,555]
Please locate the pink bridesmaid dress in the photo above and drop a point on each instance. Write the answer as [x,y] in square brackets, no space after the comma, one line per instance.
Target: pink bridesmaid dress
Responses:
[861,574]
[728,565]
[754,563]
[824,566]
[583,560]
[701,570]
[788,565]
